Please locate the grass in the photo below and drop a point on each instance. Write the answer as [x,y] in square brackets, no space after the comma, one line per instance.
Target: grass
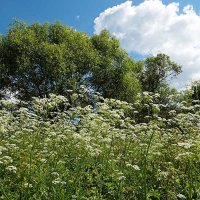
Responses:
[46,154]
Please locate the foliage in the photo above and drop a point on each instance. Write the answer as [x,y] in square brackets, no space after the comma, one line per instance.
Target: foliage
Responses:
[37,60]
[196,91]
[191,95]
[50,149]
[116,74]
[157,71]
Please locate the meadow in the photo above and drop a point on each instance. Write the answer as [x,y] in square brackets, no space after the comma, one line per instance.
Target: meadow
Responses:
[50,149]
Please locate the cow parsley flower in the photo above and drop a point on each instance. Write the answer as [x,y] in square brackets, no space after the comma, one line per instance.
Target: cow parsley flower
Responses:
[12,169]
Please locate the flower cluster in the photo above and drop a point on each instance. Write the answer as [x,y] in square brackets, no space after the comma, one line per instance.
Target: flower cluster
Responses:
[108,149]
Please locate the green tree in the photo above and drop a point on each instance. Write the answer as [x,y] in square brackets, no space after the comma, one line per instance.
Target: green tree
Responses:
[115,76]
[192,95]
[196,91]
[157,72]
[36,60]
[39,59]
[154,78]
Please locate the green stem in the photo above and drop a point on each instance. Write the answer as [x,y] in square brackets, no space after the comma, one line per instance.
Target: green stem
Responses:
[145,163]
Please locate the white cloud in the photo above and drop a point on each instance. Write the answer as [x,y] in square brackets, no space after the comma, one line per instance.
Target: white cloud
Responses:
[152,27]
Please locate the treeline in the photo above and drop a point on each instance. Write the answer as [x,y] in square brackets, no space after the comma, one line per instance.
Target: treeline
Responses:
[39,59]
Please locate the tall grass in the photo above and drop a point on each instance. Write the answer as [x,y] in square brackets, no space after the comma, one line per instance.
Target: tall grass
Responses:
[84,153]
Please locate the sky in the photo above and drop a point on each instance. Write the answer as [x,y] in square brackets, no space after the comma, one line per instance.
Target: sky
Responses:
[144,27]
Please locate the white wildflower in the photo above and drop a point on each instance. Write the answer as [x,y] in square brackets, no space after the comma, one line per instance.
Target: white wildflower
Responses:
[55,173]
[136,167]
[164,174]
[12,169]
[43,160]
[2,149]
[185,145]
[6,159]
[181,196]
[28,185]
[58,181]
[121,178]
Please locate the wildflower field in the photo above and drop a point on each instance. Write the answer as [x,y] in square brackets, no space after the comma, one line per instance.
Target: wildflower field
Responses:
[51,150]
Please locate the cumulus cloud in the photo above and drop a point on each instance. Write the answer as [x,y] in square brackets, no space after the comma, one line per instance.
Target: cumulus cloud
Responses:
[153,27]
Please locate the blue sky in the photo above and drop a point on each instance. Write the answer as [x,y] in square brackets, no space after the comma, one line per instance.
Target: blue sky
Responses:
[66,11]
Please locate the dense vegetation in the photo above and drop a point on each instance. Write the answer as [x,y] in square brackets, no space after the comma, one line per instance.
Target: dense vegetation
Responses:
[36,60]
[51,150]
[89,122]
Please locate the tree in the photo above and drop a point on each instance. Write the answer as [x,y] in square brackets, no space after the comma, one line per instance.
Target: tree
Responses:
[36,60]
[196,91]
[192,95]
[39,59]
[115,76]
[157,72]
[154,77]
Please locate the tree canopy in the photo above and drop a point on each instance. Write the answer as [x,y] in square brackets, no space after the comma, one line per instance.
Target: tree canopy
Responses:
[116,74]
[39,59]
[157,71]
